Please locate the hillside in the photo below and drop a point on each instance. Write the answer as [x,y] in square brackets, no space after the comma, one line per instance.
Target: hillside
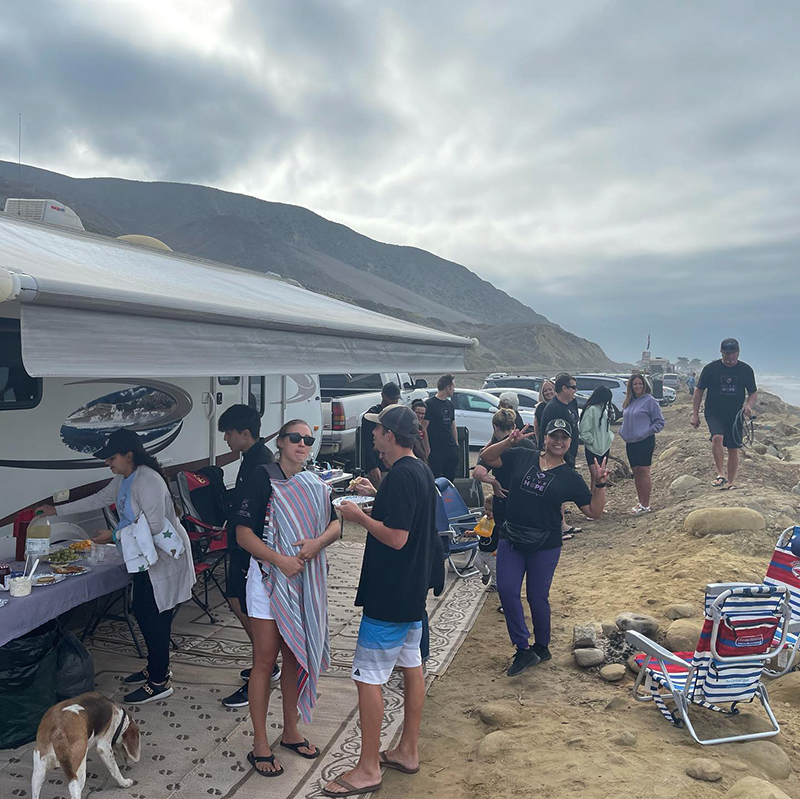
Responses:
[323,256]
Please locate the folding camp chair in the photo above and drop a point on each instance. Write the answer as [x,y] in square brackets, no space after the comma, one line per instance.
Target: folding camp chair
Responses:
[454,523]
[784,571]
[741,623]
[202,495]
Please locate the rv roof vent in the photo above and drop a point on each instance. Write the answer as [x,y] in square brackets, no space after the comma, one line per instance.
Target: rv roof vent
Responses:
[50,211]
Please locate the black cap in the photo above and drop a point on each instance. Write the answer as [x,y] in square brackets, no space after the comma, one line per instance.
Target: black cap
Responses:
[391,391]
[400,419]
[120,442]
[558,424]
[729,345]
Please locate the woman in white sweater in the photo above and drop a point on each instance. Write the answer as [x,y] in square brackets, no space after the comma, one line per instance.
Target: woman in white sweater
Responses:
[139,488]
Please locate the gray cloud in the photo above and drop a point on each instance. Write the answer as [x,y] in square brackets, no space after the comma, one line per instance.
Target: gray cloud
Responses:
[616,165]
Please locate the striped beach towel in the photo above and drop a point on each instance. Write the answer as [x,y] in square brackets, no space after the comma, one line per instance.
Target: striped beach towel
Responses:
[300,508]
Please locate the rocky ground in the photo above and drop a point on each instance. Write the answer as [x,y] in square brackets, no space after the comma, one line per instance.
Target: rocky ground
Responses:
[560,730]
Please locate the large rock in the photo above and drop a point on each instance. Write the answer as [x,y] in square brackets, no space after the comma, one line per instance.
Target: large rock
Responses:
[684,484]
[499,714]
[702,768]
[766,756]
[646,625]
[586,636]
[773,451]
[786,690]
[708,521]
[760,448]
[589,657]
[796,489]
[682,635]
[754,788]
[613,672]
[679,611]
[668,453]
[497,745]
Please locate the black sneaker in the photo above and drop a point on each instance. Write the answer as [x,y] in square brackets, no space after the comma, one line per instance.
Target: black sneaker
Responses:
[486,578]
[148,693]
[245,674]
[140,677]
[524,659]
[237,698]
[275,679]
[542,651]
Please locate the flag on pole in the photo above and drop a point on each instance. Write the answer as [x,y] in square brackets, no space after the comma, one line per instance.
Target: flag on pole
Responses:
[648,342]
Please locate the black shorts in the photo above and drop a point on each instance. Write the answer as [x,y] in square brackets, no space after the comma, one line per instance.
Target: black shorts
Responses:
[640,453]
[236,587]
[731,439]
[590,456]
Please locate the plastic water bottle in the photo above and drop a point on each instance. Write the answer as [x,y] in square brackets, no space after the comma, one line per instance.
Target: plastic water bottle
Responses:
[37,543]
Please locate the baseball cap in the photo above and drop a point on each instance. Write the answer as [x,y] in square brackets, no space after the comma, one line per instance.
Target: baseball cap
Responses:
[391,390]
[119,442]
[558,424]
[729,345]
[402,421]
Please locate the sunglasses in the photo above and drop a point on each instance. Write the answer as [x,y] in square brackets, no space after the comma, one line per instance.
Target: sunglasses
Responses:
[574,388]
[296,438]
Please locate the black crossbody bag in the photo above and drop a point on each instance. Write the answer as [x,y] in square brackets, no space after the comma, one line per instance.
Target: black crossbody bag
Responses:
[526,539]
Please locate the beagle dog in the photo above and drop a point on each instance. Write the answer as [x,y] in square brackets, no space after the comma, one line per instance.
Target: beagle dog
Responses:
[70,728]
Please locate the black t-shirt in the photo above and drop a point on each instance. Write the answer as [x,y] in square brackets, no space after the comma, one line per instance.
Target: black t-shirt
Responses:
[440,415]
[556,409]
[394,583]
[519,421]
[369,455]
[256,456]
[535,496]
[503,475]
[726,388]
[255,499]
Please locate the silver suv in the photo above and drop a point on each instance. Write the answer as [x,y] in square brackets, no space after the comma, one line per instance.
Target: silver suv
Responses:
[529,382]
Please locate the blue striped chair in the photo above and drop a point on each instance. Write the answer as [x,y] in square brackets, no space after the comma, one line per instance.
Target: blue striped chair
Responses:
[745,625]
[784,572]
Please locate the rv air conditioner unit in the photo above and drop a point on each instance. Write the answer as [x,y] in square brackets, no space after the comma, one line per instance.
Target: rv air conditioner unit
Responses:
[49,211]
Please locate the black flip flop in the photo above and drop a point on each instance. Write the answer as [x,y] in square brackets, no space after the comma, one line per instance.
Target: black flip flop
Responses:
[572,530]
[303,744]
[719,481]
[252,759]
[395,765]
[350,790]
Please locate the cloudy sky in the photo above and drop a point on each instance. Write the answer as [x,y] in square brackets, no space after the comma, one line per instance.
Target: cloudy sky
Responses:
[624,168]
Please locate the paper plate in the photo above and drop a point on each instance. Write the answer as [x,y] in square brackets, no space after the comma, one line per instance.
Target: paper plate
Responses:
[38,577]
[356,498]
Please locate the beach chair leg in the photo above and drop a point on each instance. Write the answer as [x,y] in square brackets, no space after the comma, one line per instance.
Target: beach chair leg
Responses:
[791,663]
[467,570]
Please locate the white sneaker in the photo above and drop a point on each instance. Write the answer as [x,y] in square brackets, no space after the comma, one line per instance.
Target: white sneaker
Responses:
[639,509]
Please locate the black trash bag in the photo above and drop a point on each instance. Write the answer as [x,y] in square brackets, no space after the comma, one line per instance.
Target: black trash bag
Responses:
[75,667]
[28,672]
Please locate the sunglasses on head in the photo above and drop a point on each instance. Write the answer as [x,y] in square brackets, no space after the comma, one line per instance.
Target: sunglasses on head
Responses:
[296,438]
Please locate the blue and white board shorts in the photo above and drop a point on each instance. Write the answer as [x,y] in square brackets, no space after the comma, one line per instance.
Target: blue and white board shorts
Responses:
[383,646]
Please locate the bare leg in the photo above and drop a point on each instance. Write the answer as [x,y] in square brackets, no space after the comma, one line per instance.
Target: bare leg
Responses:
[413,699]
[719,454]
[266,643]
[244,619]
[370,713]
[644,484]
[733,465]
[291,733]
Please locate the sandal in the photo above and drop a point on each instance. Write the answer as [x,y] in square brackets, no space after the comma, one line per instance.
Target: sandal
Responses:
[567,536]
[252,759]
[719,480]
[572,530]
[351,789]
[395,765]
[730,488]
[304,744]
[639,509]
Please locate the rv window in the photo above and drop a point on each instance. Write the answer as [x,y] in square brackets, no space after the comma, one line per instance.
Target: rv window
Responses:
[351,383]
[255,394]
[228,381]
[18,390]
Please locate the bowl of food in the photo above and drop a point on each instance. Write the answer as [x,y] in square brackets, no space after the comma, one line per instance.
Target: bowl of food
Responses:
[61,557]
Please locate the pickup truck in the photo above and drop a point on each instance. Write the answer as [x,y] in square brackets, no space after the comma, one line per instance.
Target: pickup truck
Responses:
[345,399]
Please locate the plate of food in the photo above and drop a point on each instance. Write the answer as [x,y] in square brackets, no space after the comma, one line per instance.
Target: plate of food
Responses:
[81,547]
[70,569]
[358,500]
[61,557]
[47,579]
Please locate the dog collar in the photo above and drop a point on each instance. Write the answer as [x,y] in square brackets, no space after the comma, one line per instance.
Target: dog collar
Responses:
[118,731]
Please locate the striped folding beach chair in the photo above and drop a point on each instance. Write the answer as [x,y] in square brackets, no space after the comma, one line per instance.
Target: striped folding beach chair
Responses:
[784,572]
[743,622]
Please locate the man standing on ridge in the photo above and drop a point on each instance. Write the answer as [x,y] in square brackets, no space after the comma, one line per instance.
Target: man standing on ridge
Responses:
[370,462]
[440,425]
[727,383]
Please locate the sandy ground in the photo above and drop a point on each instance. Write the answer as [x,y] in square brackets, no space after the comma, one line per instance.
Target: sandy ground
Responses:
[567,732]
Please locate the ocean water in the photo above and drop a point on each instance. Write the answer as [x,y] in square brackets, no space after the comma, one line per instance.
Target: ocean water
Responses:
[787,387]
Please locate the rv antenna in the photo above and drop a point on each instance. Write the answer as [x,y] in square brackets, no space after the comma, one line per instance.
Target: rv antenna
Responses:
[19,161]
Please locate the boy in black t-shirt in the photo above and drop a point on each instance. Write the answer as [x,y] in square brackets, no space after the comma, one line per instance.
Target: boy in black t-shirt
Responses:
[440,424]
[727,383]
[370,462]
[402,560]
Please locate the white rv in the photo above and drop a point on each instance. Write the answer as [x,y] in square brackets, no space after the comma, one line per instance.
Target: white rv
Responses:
[97,333]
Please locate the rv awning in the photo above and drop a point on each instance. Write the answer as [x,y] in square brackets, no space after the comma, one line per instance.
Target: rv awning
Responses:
[105,308]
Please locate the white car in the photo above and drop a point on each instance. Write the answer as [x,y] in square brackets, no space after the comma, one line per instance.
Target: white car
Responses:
[528,400]
[474,410]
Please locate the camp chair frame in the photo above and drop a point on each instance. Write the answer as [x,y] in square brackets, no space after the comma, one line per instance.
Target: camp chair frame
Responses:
[773,577]
[679,688]
[454,530]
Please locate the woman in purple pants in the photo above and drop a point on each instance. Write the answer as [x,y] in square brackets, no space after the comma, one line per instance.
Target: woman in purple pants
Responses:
[530,544]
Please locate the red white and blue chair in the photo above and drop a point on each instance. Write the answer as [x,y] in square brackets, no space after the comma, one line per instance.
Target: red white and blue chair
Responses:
[784,571]
[454,523]
[742,624]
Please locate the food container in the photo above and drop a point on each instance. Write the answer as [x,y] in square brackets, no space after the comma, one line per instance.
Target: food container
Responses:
[96,554]
[19,586]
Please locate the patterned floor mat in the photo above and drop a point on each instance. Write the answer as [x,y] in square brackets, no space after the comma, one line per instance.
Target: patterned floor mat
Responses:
[192,746]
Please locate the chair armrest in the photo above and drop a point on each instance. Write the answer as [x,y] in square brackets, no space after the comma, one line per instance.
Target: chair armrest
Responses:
[211,528]
[653,649]
[794,626]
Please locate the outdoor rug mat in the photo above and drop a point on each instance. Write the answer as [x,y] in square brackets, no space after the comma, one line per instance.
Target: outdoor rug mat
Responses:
[192,746]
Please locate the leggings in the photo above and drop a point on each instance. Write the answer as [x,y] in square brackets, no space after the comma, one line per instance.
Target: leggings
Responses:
[155,626]
[538,569]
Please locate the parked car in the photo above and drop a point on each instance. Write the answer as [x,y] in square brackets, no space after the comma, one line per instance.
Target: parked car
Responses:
[618,385]
[474,410]
[671,380]
[530,382]
[669,393]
